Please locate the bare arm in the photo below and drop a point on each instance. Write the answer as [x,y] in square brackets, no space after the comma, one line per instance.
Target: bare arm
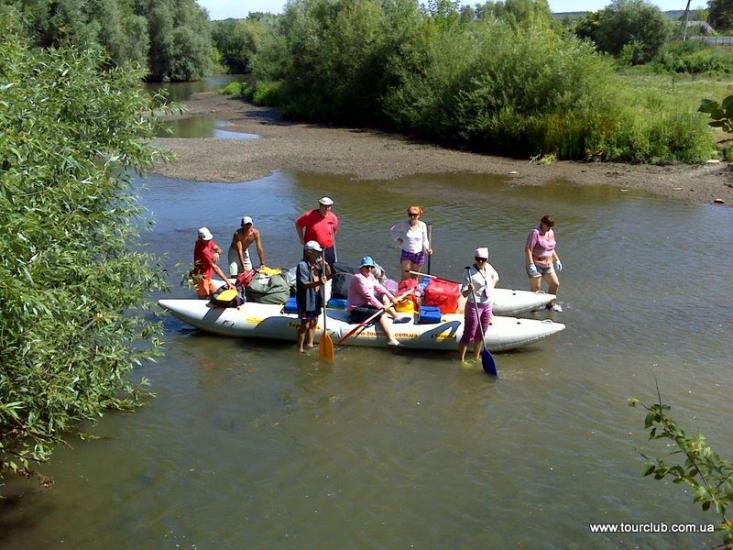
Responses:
[528,256]
[300,232]
[260,251]
[220,273]
[240,252]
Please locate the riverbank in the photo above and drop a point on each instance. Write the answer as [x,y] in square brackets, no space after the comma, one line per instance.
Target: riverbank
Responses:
[370,154]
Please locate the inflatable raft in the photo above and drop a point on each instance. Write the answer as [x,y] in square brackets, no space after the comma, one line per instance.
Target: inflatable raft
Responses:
[255,320]
[504,301]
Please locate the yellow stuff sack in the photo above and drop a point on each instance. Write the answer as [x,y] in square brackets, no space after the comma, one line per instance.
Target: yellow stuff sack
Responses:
[406,305]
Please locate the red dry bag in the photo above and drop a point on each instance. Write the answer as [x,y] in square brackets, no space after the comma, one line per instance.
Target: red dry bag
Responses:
[443,294]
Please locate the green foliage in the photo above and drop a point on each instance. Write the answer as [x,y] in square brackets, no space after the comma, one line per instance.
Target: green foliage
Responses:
[233,89]
[180,44]
[237,41]
[720,113]
[73,276]
[517,13]
[332,56]
[695,57]
[508,80]
[265,93]
[720,14]
[170,37]
[624,23]
[709,476]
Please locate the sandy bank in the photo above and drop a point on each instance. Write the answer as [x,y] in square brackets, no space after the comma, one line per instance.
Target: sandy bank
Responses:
[370,154]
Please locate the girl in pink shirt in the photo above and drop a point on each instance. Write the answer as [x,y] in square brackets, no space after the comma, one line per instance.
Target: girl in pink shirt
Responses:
[540,255]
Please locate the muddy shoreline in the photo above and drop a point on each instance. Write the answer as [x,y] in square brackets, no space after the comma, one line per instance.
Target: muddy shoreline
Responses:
[369,154]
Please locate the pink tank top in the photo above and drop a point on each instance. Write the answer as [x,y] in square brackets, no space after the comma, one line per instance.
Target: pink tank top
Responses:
[542,246]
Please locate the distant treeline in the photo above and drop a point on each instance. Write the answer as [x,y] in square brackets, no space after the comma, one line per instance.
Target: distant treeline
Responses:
[169,38]
[502,77]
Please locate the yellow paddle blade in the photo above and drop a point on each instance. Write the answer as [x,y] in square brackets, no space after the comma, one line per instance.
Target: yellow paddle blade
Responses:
[325,348]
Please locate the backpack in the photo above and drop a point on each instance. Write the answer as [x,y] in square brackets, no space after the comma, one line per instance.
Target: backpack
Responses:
[227,297]
[268,290]
[341,278]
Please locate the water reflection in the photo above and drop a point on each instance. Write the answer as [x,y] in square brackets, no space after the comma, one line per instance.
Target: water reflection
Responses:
[200,126]
[182,91]
[252,444]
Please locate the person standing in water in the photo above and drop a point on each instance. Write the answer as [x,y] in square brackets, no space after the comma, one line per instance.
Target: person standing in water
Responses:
[412,236]
[238,256]
[542,260]
[311,275]
[481,279]
[320,225]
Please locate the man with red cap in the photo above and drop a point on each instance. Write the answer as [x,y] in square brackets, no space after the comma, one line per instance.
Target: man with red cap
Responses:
[320,225]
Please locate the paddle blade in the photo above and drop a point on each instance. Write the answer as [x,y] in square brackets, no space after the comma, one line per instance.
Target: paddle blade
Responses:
[325,348]
[487,361]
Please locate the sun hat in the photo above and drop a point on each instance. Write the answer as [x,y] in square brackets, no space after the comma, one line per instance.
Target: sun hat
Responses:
[205,234]
[246,220]
[366,261]
[482,252]
[325,201]
[312,245]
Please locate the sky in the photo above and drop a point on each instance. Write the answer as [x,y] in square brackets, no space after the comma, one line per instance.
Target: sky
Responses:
[222,9]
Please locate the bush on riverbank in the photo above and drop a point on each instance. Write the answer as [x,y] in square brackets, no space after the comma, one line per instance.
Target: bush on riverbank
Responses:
[695,57]
[70,283]
[520,86]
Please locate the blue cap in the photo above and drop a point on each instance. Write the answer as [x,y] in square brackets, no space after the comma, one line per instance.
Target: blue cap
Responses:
[367,261]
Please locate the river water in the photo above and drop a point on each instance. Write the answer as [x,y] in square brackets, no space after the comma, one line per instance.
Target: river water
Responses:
[250,444]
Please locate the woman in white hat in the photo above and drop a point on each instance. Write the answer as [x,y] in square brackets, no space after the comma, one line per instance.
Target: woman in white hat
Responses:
[205,257]
[481,278]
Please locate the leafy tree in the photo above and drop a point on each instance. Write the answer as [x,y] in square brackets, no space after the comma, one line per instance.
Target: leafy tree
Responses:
[516,12]
[237,42]
[720,14]
[171,37]
[180,43]
[635,24]
[709,476]
[72,274]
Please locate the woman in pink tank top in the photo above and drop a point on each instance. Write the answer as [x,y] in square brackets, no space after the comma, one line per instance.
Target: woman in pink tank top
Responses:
[542,260]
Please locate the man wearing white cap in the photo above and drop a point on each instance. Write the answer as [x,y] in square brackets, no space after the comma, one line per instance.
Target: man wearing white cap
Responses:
[309,278]
[205,256]
[481,278]
[320,225]
[238,256]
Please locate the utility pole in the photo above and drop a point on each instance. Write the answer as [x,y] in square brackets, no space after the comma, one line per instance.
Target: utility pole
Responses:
[687,17]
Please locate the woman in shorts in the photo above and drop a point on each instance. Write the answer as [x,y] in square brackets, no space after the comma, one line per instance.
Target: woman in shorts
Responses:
[542,260]
[412,235]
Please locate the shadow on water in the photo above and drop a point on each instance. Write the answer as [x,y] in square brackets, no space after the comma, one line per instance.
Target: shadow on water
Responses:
[20,513]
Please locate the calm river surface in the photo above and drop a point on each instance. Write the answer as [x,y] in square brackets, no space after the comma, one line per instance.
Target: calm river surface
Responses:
[252,445]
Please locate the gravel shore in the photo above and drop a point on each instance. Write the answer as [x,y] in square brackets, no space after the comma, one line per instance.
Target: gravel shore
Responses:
[365,154]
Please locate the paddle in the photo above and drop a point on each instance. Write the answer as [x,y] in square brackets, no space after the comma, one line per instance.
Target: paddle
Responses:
[433,277]
[487,360]
[371,318]
[430,241]
[325,343]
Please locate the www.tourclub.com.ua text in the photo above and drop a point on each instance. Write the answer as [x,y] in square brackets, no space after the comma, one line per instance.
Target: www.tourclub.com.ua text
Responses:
[652,527]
